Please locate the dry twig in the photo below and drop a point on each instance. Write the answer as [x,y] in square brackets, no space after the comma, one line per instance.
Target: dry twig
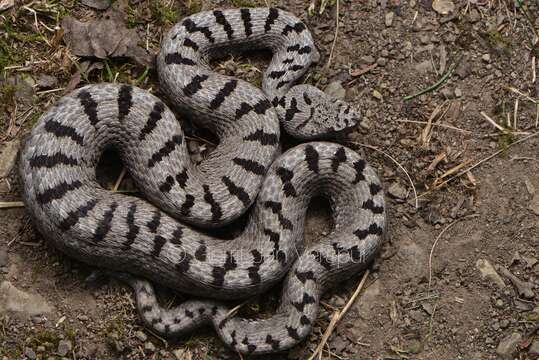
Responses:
[337,316]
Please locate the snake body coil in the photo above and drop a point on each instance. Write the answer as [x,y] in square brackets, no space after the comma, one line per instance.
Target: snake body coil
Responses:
[130,236]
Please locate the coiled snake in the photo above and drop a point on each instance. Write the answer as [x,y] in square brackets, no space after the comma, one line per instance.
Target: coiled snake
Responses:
[128,235]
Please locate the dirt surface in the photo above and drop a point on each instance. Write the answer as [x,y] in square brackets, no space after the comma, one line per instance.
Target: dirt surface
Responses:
[458,276]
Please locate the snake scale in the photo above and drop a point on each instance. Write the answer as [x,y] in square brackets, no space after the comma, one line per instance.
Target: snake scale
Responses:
[158,240]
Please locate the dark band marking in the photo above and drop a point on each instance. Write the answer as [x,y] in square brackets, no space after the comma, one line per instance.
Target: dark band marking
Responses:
[218,274]
[178,59]
[185,262]
[369,204]
[237,191]
[244,109]
[274,343]
[262,106]
[155,116]
[181,178]
[50,161]
[288,61]
[279,101]
[223,94]
[312,157]
[262,137]
[60,130]
[374,188]
[304,276]
[276,208]
[73,217]
[190,43]
[250,165]
[305,50]
[154,223]
[247,25]
[221,20]
[307,99]
[216,212]
[338,159]
[293,48]
[253,270]
[292,110]
[158,243]
[286,178]
[200,253]
[296,67]
[230,262]
[146,308]
[169,147]
[276,74]
[195,85]
[373,229]
[105,224]
[307,299]
[272,16]
[233,343]
[321,259]
[167,185]
[293,333]
[57,192]
[282,83]
[304,320]
[125,101]
[297,27]
[90,106]
[191,27]
[189,313]
[176,237]
[359,166]
[187,205]
[133,229]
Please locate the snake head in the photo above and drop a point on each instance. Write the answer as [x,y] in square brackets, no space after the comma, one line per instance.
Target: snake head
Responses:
[309,114]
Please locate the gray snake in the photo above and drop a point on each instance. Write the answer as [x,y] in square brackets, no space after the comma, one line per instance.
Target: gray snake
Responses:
[137,240]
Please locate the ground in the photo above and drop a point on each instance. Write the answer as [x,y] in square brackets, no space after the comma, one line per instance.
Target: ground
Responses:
[458,275]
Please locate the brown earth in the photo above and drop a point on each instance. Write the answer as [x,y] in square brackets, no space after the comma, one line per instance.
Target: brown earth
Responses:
[425,297]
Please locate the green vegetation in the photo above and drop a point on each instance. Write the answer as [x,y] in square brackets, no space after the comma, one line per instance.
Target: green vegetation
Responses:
[243,3]
[162,13]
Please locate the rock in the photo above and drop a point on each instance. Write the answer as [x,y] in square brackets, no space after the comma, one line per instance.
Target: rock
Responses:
[30,353]
[534,348]
[458,92]
[507,348]
[335,90]
[486,58]
[377,95]
[141,336]
[97,4]
[389,18]
[381,61]
[443,7]
[488,272]
[367,59]
[524,288]
[45,81]
[64,347]
[397,191]
[149,347]
[9,157]
[6,4]
[83,318]
[463,69]
[20,302]
[423,67]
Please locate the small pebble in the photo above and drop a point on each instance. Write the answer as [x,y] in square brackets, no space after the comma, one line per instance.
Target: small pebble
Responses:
[377,95]
[141,336]
[30,353]
[64,347]
[149,347]
[486,57]
[381,61]
[389,18]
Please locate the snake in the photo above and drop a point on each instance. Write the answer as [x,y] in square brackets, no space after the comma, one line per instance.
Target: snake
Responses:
[160,237]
